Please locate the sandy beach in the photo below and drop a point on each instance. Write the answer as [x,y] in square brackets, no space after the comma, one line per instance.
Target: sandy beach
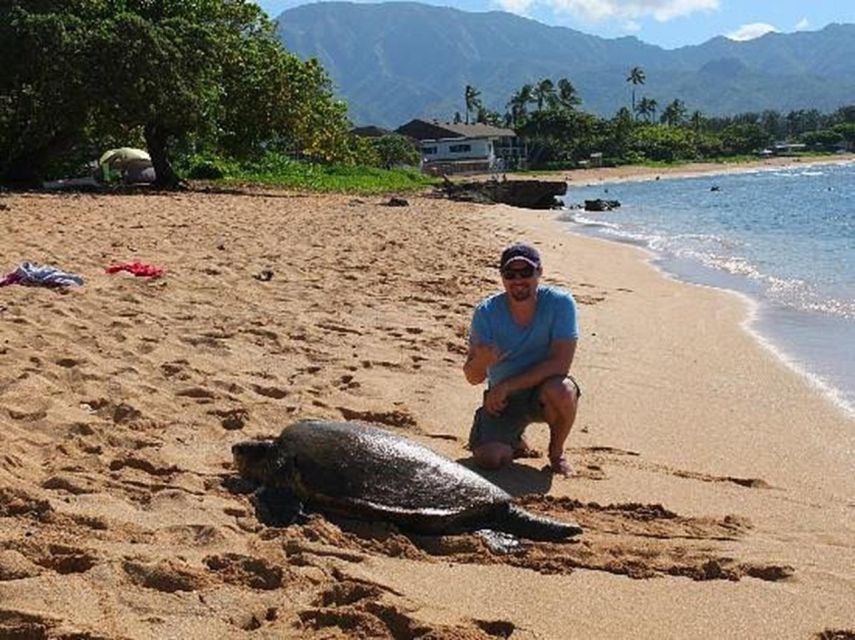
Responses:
[715,485]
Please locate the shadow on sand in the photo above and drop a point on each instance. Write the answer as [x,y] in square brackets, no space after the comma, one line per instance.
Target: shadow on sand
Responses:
[517,479]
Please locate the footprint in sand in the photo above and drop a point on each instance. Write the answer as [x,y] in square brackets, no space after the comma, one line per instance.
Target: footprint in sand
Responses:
[165,575]
[241,570]
[66,560]
[232,419]
[277,393]
[395,418]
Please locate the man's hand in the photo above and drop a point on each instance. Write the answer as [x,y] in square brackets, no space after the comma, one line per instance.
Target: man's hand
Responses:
[496,399]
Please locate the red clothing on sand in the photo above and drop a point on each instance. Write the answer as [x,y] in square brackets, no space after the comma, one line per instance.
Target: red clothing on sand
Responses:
[138,269]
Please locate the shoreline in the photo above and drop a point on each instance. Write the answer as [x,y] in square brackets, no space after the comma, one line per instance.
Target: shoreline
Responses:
[714,485]
[633,173]
[829,381]
[754,317]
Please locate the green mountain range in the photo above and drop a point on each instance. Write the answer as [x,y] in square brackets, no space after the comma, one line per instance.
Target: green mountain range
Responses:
[401,60]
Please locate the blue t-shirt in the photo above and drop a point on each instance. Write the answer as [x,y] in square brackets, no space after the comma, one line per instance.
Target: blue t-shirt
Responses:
[523,347]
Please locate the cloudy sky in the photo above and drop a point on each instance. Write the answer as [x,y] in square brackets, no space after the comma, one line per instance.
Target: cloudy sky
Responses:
[667,23]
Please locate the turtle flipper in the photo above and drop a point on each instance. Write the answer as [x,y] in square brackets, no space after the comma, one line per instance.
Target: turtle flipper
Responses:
[527,525]
[278,507]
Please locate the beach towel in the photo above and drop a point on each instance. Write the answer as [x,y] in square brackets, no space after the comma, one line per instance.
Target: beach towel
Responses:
[139,269]
[29,274]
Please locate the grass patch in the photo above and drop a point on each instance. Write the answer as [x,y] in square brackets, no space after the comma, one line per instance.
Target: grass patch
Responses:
[279,171]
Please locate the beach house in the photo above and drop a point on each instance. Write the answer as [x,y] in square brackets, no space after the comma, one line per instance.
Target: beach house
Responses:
[460,148]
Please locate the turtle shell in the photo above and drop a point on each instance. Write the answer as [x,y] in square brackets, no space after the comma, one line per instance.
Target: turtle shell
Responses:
[364,471]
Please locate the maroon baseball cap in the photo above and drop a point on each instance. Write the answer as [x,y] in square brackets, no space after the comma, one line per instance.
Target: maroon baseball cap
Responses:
[522,252]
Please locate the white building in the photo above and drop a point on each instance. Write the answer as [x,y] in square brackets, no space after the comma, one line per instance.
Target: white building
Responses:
[456,148]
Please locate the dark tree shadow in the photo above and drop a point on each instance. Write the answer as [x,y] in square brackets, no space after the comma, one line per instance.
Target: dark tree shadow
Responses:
[517,479]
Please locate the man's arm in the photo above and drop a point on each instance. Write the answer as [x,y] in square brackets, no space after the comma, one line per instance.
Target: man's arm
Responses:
[480,358]
[558,363]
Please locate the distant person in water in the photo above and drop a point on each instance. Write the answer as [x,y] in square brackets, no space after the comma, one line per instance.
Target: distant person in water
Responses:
[522,342]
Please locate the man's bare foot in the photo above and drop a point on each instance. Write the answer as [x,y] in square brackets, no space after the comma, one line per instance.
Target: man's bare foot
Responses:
[523,450]
[560,466]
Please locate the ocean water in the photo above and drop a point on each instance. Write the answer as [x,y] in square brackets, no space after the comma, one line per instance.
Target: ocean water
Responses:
[783,238]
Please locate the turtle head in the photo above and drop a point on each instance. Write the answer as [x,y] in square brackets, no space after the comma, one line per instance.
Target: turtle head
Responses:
[255,459]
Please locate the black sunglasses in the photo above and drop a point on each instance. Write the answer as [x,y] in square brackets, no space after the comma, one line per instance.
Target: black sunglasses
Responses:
[513,274]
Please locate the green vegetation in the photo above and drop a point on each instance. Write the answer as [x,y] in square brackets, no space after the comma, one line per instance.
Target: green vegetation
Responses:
[559,135]
[281,171]
[208,90]
[177,78]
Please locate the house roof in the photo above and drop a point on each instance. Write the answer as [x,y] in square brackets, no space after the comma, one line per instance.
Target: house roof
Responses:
[370,131]
[424,130]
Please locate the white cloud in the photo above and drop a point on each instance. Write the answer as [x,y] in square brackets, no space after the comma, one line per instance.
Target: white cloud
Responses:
[751,31]
[802,24]
[519,7]
[631,26]
[661,10]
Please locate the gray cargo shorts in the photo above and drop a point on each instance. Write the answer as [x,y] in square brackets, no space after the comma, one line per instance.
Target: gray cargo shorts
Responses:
[523,408]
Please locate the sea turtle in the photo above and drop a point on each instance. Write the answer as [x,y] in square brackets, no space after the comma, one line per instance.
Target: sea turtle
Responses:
[356,470]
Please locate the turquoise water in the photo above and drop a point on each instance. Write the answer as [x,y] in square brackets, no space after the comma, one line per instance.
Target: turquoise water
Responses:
[784,238]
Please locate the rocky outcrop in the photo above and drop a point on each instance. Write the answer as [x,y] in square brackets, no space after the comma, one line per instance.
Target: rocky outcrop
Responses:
[529,194]
[601,205]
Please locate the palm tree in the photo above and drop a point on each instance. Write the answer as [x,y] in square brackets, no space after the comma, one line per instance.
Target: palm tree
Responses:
[472,97]
[697,121]
[674,114]
[567,95]
[646,107]
[636,77]
[518,104]
[544,92]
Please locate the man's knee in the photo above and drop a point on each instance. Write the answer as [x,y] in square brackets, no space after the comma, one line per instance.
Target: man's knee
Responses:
[560,394]
[492,455]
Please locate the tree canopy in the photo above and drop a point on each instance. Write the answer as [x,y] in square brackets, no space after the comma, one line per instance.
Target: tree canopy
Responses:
[168,74]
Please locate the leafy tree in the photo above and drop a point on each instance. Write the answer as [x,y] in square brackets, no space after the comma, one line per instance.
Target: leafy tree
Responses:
[207,72]
[270,99]
[773,124]
[847,131]
[663,143]
[646,108]
[155,69]
[674,113]
[697,121]
[43,92]
[544,93]
[561,135]
[518,104]
[486,116]
[801,121]
[844,115]
[743,138]
[568,97]
[395,150]
[473,101]
[616,134]
[824,138]
[636,77]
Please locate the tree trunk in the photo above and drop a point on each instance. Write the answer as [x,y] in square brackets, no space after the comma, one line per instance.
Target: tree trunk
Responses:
[156,143]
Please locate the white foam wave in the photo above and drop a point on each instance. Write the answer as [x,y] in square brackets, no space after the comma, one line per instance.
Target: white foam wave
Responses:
[835,395]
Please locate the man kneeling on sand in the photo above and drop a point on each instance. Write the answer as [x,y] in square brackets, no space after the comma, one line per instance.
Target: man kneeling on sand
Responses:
[522,341]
